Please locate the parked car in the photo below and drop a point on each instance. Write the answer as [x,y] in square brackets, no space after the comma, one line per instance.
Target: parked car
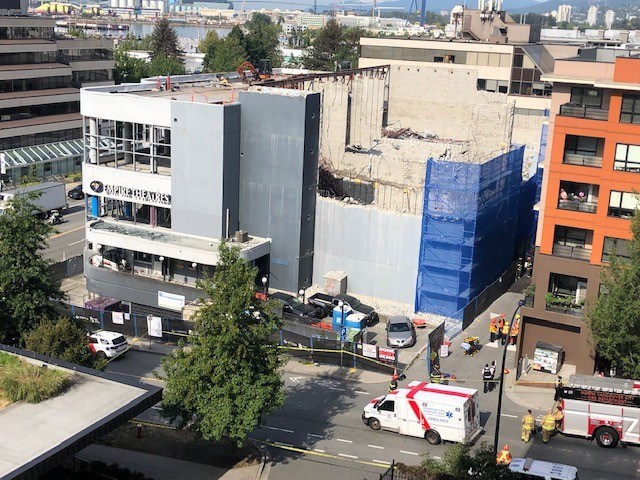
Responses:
[106,344]
[76,193]
[329,302]
[291,304]
[400,332]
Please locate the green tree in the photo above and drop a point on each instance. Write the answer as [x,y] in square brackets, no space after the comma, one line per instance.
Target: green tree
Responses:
[63,339]
[210,41]
[350,49]
[324,52]
[228,378]
[131,42]
[164,40]
[128,69]
[229,55]
[614,318]
[460,463]
[163,65]
[27,292]
[261,40]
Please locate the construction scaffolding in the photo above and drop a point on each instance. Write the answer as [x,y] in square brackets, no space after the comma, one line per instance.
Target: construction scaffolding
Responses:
[469,224]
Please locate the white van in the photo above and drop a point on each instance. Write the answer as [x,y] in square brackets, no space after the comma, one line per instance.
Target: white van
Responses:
[542,469]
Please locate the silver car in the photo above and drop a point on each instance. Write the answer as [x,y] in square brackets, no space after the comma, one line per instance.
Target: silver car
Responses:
[400,332]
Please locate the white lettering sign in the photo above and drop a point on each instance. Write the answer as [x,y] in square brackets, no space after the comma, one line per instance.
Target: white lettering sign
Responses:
[138,194]
[171,301]
[154,326]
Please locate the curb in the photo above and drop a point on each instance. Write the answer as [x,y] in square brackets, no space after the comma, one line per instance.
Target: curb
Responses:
[265,467]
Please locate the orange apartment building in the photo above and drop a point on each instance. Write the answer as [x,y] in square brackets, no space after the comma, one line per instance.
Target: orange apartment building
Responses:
[591,170]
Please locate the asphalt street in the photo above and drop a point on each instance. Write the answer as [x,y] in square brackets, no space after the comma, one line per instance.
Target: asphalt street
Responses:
[68,240]
[319,433]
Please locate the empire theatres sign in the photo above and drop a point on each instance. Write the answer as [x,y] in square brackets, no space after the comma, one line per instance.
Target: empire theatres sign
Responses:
[132,194]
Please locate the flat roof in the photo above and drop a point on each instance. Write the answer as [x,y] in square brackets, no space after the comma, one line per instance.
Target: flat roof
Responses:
[36,437]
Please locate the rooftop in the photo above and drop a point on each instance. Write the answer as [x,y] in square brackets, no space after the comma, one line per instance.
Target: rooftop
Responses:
[50,431]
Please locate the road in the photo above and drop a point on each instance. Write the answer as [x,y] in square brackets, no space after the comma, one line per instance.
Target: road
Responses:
[319,433]
[68,241]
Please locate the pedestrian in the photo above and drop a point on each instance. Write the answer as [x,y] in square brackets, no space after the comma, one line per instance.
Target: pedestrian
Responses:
[505,332]
[504,457]
[559,417]
[492,369]
[528,267]
[493,329]
[436,375]
[500,325]
[515,330]
[486,377]
[558,394]
[393,385]
[548,426]
[528,426]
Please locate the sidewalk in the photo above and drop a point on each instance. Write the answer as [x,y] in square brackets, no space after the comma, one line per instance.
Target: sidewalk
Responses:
[165,468]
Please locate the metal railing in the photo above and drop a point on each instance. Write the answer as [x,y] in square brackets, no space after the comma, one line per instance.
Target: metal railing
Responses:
[566,310]
[579,253]
[582,159]
[579,111]
[578,205]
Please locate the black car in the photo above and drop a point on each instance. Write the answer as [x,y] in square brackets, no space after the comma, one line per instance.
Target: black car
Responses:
[358,306]
[291,304]
[76,193]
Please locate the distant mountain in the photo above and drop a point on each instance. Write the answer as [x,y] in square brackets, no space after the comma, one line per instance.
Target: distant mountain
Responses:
[550,5]
[510,5]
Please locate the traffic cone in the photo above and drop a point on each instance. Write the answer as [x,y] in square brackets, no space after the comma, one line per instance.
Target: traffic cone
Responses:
[506,371]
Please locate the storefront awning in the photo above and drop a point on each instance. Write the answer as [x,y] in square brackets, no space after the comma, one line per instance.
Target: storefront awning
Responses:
[49,152]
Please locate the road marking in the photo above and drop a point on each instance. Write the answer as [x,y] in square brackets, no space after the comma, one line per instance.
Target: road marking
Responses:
[296,379]
[79,241]
[284,444]
[508,416]
[66,233]
[73,213]
[278,429]
[359,392]
[375,446]
[409,453]
[381,462]
[314,435]
[338,389]
[318,450]
[346,456]
[343,440]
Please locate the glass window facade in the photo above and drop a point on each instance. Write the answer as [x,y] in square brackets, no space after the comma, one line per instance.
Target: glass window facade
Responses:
[622,204]
[627,158]
[25,58]
[75,55]
[587,97]
[33,111]
[28,84]
[84,76]
[617,246]
[26,33]
[39,138]
[525,77]
[630,111]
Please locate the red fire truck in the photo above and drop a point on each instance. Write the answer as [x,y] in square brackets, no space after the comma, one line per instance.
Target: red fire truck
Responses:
[607,409]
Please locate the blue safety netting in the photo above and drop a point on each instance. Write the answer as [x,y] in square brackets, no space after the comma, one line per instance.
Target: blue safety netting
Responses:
[469,225]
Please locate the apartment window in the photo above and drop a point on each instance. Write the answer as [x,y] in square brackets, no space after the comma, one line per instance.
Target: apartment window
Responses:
[141,257]
[589,97]
[581,145]
[630,112]
[622,204]
[617,246]
[570,237]
[627,158]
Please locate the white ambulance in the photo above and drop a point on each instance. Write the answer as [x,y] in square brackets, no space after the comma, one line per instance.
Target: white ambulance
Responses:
[427,410]
[607,409]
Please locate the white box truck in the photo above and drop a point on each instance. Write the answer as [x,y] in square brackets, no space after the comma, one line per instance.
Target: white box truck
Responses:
[607,409]
[52,196]
[431,411]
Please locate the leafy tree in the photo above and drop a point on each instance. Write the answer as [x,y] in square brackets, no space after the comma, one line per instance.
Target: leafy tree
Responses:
[128,69]
[229,55]
[261,40]
[228,378]
[163,65]
[350,49]
[63,339]
[164,40]
[324,52]
[131,42]
[210,41]
[27,291]
[614,318]
[460,463]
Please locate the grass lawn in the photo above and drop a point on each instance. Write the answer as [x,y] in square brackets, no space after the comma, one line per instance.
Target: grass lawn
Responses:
[180,444]
[22,381]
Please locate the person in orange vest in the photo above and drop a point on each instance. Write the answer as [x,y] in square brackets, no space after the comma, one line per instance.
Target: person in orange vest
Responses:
[504,457]
[505,332]
[493,329]
[515,330]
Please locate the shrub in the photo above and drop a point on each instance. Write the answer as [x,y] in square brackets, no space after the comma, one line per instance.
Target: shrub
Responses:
[29,383]
[7,359]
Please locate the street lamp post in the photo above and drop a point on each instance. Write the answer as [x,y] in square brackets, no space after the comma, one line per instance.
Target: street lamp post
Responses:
[302,292]
[264,285]
[504,358]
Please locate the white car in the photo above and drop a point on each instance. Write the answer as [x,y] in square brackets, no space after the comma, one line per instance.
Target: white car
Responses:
[541,469]
[107,344]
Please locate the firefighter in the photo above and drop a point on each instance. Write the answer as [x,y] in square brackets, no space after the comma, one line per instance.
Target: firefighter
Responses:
[504,332]
[513,335]
[393,385]
[436,375]
[548,426]
[528,426]
[493,330]
[500,325]
[556,397]
[486,377]
[559,416]
[504,457]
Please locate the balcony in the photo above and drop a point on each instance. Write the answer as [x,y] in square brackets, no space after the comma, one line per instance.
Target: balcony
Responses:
[579,253]
[586,160]
[578,197]
[566,295]
[578,206]
[579,111]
